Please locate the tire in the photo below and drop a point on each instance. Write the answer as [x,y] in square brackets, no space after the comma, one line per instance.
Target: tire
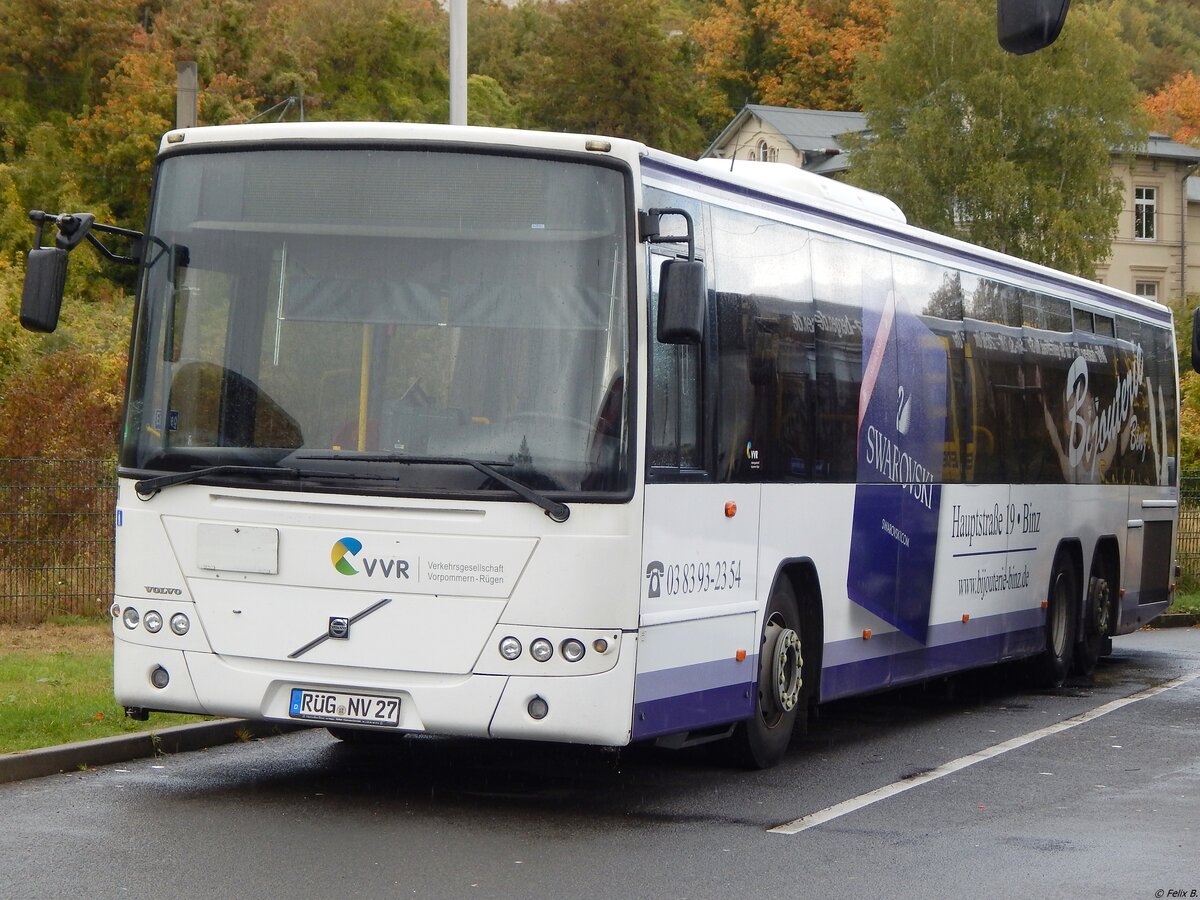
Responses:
[781,700]
[1054,663]
[1097,623]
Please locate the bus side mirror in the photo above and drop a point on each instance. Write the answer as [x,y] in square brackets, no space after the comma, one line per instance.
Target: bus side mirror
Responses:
[1196,339]
[681,307]
[42,295]
[1023,26]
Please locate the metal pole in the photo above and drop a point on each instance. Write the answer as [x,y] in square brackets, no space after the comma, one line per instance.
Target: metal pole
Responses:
[186,94]
[458,62]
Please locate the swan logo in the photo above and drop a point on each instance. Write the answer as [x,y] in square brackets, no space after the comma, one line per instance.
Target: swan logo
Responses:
[342,548]
[903,411]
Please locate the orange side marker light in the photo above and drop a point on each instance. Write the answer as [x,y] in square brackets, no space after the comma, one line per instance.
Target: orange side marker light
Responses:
[730,509]
[740,656]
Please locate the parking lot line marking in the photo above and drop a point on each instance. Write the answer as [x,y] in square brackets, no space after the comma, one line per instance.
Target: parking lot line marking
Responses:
[890,790]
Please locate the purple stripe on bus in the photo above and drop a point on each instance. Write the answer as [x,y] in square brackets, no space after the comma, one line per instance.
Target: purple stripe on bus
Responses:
[927,662]
[688,712]
[658,711]
[839,653]
[651,686]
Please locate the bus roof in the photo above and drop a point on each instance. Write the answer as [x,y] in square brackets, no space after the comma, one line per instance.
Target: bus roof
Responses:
[764,182]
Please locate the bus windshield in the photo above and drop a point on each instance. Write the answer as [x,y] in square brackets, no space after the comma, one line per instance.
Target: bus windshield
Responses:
[372,313]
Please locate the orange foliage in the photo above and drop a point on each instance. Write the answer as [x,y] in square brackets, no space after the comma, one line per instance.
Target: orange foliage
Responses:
[799,53]
[1175,109]
[66,405]
[821,43]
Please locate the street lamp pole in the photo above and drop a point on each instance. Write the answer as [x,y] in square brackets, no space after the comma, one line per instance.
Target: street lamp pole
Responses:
[458,62]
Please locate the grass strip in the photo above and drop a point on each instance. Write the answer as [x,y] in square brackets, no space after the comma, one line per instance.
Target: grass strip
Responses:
[1185,603]
[56,687]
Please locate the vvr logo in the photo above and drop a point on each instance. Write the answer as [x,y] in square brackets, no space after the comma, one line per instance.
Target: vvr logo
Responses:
[347,546]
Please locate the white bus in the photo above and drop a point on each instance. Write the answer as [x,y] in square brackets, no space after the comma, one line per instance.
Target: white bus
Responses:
[556,437]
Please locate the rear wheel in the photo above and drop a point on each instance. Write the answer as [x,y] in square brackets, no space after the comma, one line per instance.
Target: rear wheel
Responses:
[1097,623]
[1062,598]
[781,700]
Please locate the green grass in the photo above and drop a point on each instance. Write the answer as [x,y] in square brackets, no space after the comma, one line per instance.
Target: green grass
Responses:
[1186,603]
[56,686]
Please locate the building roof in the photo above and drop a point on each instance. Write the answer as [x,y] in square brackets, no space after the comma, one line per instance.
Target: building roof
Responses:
[1160,146]
[809,131]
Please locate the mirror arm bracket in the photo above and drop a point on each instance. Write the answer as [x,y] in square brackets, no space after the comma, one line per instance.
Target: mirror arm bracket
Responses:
[74,228]
[649,226]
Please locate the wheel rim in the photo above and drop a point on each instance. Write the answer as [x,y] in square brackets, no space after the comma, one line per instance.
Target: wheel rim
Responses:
[1101,608]
[780,680]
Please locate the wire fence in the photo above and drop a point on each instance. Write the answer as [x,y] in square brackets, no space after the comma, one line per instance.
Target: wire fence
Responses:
[56,537]
[1187,555]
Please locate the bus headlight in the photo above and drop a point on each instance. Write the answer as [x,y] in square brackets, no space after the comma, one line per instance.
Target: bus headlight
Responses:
[510,648]
[541,650]
[130,617]
[572,650]
[153,621]
[180,624]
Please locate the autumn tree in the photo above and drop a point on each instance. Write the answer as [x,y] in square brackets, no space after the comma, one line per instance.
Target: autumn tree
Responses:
[54,55]
[1014,153]
[1175,109]
[608,66]
[800,53]
[379,60]
[1164,35]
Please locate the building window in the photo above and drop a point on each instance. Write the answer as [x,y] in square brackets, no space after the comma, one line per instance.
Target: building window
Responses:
[1145,205]
[1147,289]
[767,153]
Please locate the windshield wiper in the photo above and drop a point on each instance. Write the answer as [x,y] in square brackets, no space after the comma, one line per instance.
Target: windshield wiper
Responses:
[559,512]
[148,487]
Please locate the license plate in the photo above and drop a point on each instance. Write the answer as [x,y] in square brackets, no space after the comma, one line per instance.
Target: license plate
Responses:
[335,706]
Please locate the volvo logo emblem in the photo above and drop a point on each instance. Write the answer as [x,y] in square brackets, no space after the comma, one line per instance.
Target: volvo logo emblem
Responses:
[339,627]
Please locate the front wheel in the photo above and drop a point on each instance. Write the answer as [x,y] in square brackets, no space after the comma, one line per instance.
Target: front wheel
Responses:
[781,702]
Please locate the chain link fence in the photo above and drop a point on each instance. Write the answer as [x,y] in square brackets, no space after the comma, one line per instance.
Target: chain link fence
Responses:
[1188,552]
[56,538]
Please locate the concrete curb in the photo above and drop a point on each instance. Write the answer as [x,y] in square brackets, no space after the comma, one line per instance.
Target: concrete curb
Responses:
[1176,620]
[123,747]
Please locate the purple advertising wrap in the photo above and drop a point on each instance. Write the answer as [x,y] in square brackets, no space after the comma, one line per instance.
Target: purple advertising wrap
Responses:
[901,441]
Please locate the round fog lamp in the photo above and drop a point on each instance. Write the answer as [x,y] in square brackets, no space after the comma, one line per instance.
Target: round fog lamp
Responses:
[153,621]
[541,650]
[572,650]
[180,624]
[130,617]
[538,708]
[160,677]
[510,648]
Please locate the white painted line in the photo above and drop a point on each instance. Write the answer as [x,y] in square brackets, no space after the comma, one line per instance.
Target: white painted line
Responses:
[899,787]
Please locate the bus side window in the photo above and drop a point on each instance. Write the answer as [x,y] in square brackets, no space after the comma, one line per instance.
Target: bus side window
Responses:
[675,394]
